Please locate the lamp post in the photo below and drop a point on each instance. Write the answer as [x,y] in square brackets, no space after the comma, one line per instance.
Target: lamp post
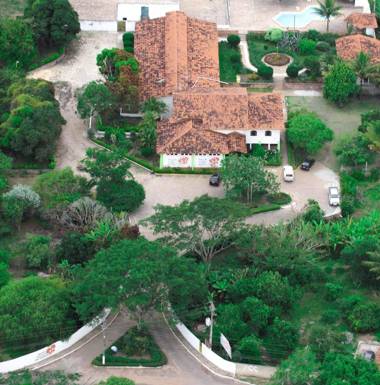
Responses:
[210,322]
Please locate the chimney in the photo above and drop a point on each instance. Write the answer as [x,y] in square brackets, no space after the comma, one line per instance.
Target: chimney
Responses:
[144,13]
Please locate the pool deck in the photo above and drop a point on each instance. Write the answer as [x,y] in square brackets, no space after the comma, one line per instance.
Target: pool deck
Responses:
[258,15]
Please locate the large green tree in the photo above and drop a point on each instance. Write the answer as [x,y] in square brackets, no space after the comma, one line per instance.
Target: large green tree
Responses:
[245,176]
[36,310]
[354,150]
[95,97]
[34,123]
[204,226]
[340,83]
[5,164]
[307,132]
[17,46]
[131,274]
[54,22]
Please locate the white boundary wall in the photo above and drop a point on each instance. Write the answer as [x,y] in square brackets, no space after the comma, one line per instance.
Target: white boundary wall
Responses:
[100,26]
[219,362]
[52,350]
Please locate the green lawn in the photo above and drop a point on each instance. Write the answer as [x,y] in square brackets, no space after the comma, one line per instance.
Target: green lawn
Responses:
[12,8]
[341,120]
[228,67]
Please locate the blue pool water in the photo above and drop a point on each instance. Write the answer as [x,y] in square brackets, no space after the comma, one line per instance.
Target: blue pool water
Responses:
[298,19]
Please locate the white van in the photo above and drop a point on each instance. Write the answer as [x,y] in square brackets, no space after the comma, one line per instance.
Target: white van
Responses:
[288,173]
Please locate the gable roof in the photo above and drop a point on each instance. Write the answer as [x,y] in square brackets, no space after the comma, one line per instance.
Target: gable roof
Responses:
[230,108]
[362,20]
[348,47]
[174,53]
[186,137]
[201,115]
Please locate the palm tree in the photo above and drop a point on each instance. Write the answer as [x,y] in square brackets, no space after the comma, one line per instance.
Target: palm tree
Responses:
[328,9]
[361,66]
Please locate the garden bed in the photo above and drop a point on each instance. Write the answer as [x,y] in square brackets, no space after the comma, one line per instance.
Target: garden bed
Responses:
[135,348]
[276,59]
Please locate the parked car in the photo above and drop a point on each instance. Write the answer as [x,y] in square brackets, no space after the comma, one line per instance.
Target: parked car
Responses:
[307,164]
[334,197]
[369,355]
[215,180]
[288,173]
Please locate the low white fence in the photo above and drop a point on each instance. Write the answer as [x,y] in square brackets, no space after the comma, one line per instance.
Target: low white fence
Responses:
[33,358]
[236,369]
[221,363]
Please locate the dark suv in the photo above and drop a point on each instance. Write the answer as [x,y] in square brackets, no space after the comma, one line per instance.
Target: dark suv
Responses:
[307,164]
[215,180]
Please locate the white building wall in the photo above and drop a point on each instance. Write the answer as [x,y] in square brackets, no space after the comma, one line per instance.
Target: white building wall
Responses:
[101,26]
[260,138]
[191,161]
[132,10]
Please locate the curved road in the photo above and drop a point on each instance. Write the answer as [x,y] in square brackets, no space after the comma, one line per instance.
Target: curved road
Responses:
[182,367]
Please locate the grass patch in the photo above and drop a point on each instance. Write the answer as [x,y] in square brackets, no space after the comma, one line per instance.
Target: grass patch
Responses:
[12,8]
[342,121]
[230,64]
[135,348]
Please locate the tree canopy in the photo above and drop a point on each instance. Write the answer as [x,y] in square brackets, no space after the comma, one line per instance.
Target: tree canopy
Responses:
[245,176]
[203,226]
[54,22]
[307,132]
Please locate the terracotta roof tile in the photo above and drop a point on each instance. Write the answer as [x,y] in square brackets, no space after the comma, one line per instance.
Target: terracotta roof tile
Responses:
[362,20]
[348,47]
[175,52]
[198,115]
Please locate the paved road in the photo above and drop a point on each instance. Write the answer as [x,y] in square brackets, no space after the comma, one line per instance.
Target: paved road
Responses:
[182,368]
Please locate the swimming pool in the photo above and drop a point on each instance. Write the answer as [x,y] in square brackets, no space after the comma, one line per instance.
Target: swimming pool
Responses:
[298,19]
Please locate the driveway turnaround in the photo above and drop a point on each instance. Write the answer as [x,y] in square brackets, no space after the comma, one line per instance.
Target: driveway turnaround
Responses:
[182,367]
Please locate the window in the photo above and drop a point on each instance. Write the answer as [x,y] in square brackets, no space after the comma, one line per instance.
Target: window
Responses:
[124,18]
[268,133]
[253,133]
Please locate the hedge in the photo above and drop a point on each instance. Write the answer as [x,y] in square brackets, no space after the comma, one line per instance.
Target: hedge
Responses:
[280,198]
[47,59]
[264,208]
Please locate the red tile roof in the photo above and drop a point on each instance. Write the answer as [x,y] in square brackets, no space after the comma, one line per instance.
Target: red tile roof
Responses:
[175,52]
[362,20]
[348,47]
[198,115]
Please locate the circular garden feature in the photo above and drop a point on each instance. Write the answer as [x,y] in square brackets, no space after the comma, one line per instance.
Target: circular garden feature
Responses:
[276,59]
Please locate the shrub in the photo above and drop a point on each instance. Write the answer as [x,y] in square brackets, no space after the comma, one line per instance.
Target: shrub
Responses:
[255,313]
[129,41]
[292,70]
[280,198]
[38,251]
[4,274]
[307,46]
[147,151]
[233,40]
[24,194]
[323,46]
[117,381]
[313,213]
[364,317]
[333,291]
[313,65]
[312,34]
[274,34]
[74,248]
[281,339]
[330,316]
[248,350]
[265,71]
[230,322]
[4,256]
[124,196]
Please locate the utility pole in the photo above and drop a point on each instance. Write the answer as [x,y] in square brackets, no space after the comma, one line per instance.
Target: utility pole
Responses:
[212,311]
[104,341]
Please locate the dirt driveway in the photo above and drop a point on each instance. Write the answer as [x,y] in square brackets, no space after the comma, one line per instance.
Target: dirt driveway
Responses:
[75,70]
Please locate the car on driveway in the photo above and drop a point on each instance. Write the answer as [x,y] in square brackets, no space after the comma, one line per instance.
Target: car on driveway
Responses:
[215,180]
[307,164]
[334,197]
[288,173]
